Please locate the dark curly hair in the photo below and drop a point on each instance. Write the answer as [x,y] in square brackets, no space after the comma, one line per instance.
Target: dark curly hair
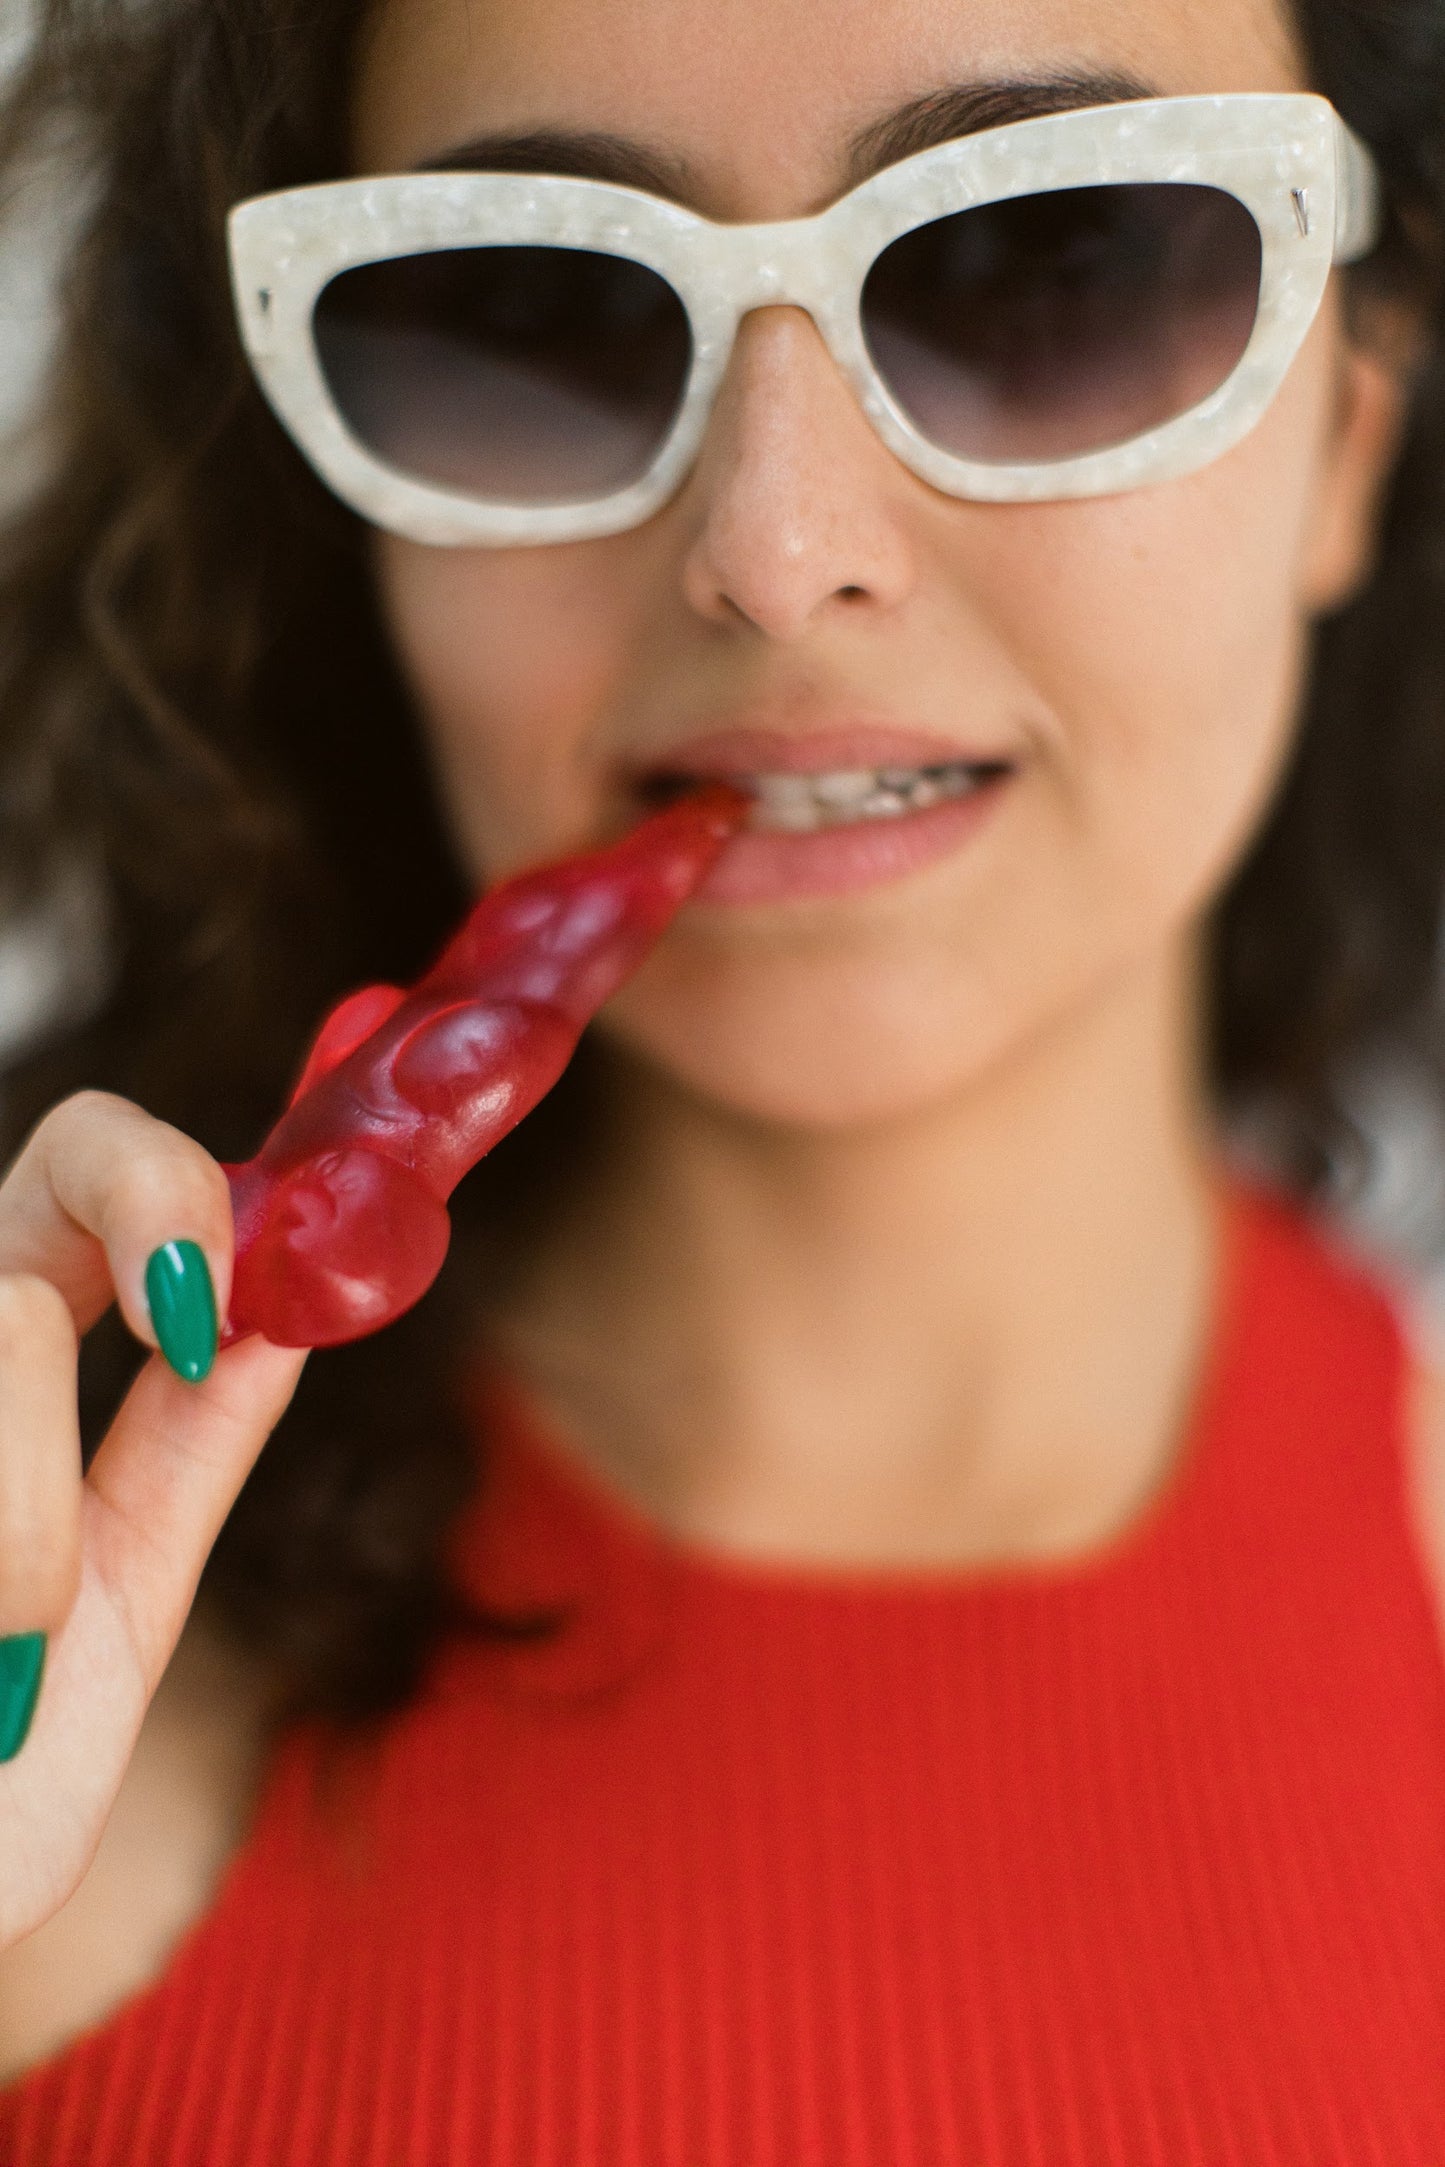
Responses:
[198,710]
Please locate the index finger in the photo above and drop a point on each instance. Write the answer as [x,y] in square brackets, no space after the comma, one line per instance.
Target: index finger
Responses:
[97,1190]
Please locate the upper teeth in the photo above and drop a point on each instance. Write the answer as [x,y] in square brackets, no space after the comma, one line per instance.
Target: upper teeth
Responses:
[801,802]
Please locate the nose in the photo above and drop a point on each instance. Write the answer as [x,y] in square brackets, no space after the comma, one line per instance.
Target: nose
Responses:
[796,502]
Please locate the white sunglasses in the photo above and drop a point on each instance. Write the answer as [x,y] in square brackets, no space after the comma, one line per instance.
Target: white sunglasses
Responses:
[1067,306]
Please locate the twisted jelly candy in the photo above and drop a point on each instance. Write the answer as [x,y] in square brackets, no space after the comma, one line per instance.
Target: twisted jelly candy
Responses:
[341,1218]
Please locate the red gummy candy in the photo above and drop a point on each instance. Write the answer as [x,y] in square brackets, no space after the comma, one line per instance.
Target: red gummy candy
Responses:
[341,1219]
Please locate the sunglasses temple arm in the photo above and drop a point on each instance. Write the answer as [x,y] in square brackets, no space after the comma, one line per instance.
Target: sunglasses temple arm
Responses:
[1358,205]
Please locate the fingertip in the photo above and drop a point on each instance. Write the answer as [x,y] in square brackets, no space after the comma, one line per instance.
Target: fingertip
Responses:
[254,1367]
[180,1298]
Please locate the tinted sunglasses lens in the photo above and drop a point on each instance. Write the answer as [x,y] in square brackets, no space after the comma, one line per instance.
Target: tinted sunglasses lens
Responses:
[1062,323]
[527,376]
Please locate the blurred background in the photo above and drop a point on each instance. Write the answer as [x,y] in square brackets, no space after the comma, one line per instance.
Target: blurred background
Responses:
[27,248]
[56,954]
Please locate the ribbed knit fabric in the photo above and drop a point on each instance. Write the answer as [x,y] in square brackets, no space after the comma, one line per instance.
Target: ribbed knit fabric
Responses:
[1133,1862]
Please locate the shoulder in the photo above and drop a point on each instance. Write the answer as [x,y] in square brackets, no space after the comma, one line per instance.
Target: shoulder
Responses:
[1334,1299]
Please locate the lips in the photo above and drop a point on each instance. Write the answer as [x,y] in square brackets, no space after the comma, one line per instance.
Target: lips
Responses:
[838,809]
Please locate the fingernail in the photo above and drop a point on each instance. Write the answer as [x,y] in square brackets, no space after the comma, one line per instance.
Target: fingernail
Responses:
[22,1659]
[183,1308]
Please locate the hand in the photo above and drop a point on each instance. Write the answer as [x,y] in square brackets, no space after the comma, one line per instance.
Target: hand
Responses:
[105,1567]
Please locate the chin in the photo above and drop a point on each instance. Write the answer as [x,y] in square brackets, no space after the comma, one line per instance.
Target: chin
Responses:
[827,1060]
[830,1099]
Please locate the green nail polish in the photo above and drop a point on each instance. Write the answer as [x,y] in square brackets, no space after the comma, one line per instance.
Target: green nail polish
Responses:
[22,1659]
[183,1308]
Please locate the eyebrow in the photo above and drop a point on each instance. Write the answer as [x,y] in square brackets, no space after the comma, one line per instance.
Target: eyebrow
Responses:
[968,108]
[939,116]
[583,155]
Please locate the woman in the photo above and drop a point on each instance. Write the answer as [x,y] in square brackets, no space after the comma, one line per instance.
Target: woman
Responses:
[884,1610]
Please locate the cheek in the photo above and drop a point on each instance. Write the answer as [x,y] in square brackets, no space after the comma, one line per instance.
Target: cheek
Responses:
[510,656]
[1169,638]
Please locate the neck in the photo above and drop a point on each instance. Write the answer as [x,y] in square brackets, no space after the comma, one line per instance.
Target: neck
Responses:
[970,1333]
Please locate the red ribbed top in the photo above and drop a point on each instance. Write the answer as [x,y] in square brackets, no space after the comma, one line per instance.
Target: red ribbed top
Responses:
[1136,1862]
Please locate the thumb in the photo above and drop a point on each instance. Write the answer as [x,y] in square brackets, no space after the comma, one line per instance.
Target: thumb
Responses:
[166,1476]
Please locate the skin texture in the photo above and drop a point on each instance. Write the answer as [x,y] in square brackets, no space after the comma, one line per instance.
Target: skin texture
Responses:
[901,1246]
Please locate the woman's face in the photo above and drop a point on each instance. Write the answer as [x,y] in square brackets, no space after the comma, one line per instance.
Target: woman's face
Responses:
[1135,660]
